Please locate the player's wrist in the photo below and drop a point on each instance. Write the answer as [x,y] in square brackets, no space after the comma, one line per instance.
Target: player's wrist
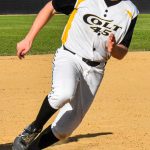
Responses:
[29,38]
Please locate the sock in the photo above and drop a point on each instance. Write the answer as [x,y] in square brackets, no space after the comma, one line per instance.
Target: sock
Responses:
[46,111]
[45,139]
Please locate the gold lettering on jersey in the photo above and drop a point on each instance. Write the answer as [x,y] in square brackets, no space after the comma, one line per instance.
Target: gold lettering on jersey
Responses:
[99,25]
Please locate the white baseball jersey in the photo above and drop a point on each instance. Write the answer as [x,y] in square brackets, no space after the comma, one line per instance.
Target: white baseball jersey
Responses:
[92,21]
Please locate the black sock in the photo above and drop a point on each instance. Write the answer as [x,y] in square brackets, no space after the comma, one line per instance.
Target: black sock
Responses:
[45,139]
[46,111]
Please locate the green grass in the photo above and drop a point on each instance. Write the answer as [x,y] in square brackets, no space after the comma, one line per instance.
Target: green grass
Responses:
[14,28]
[141,36]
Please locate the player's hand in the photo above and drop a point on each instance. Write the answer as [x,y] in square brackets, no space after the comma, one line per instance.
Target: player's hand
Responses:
[111,43]
[23,47]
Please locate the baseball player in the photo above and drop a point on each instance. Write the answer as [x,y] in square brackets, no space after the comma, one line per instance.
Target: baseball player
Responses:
[96,30]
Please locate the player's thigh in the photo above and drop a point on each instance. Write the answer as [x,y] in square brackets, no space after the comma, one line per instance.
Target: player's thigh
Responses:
[65,79]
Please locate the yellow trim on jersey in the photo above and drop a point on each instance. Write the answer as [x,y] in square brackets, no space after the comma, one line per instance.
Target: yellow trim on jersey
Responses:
[71,18]
[129,13]
[68,26]
[78,3]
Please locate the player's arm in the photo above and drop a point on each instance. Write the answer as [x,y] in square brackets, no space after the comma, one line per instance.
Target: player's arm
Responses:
[63,6]
[120,50]
[42,18]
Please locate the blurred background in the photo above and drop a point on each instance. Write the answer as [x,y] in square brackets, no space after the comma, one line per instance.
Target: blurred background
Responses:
[33,6]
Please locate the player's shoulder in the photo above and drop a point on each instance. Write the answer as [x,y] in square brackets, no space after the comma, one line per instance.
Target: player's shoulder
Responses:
[131,7]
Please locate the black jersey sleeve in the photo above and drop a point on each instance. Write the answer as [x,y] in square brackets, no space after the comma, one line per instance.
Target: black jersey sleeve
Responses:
[127,39]
[64,6]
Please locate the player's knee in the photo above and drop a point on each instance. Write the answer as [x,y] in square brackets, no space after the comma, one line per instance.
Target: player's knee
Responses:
[61,135]
[59,100]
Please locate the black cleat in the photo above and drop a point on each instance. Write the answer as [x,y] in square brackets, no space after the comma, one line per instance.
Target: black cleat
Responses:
[22,141]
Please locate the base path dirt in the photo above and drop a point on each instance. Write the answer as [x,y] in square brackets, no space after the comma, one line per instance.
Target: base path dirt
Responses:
[119,118]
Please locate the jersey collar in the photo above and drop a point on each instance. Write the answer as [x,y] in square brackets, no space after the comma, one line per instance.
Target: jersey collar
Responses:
[110,3]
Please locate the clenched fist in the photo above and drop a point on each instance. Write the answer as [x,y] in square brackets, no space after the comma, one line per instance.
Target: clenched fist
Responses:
[111,43]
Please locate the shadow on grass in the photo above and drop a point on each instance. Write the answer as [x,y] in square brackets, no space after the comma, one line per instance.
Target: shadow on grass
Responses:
[76,138]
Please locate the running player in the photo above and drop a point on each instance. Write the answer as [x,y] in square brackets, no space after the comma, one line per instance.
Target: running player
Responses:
[96,30]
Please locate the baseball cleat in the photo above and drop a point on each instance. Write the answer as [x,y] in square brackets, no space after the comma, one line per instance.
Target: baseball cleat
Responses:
[22,141]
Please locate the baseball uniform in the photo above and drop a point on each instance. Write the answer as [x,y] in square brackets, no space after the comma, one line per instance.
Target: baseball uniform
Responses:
[79,64]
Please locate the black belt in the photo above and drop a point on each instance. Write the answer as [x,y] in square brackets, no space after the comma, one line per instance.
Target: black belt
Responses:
[87,61]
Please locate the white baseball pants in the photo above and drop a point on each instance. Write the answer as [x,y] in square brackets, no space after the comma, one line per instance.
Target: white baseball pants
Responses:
[74,86]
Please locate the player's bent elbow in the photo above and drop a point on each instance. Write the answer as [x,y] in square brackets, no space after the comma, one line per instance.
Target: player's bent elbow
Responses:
[120,52]
[120,57]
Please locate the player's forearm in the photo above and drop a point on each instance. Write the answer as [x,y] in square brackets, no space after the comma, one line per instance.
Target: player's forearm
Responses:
[119,51]
[42,18]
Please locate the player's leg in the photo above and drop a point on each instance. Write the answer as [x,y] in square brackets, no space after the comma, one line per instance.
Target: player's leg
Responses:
[30,132]
[71,114]
[64,83]
[45,112]
[45,139]
[65,80]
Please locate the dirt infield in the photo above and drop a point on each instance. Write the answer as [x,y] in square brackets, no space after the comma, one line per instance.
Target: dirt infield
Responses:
[119,118]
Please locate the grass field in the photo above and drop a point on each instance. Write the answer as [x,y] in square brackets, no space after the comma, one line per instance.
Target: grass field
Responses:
[14,28]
